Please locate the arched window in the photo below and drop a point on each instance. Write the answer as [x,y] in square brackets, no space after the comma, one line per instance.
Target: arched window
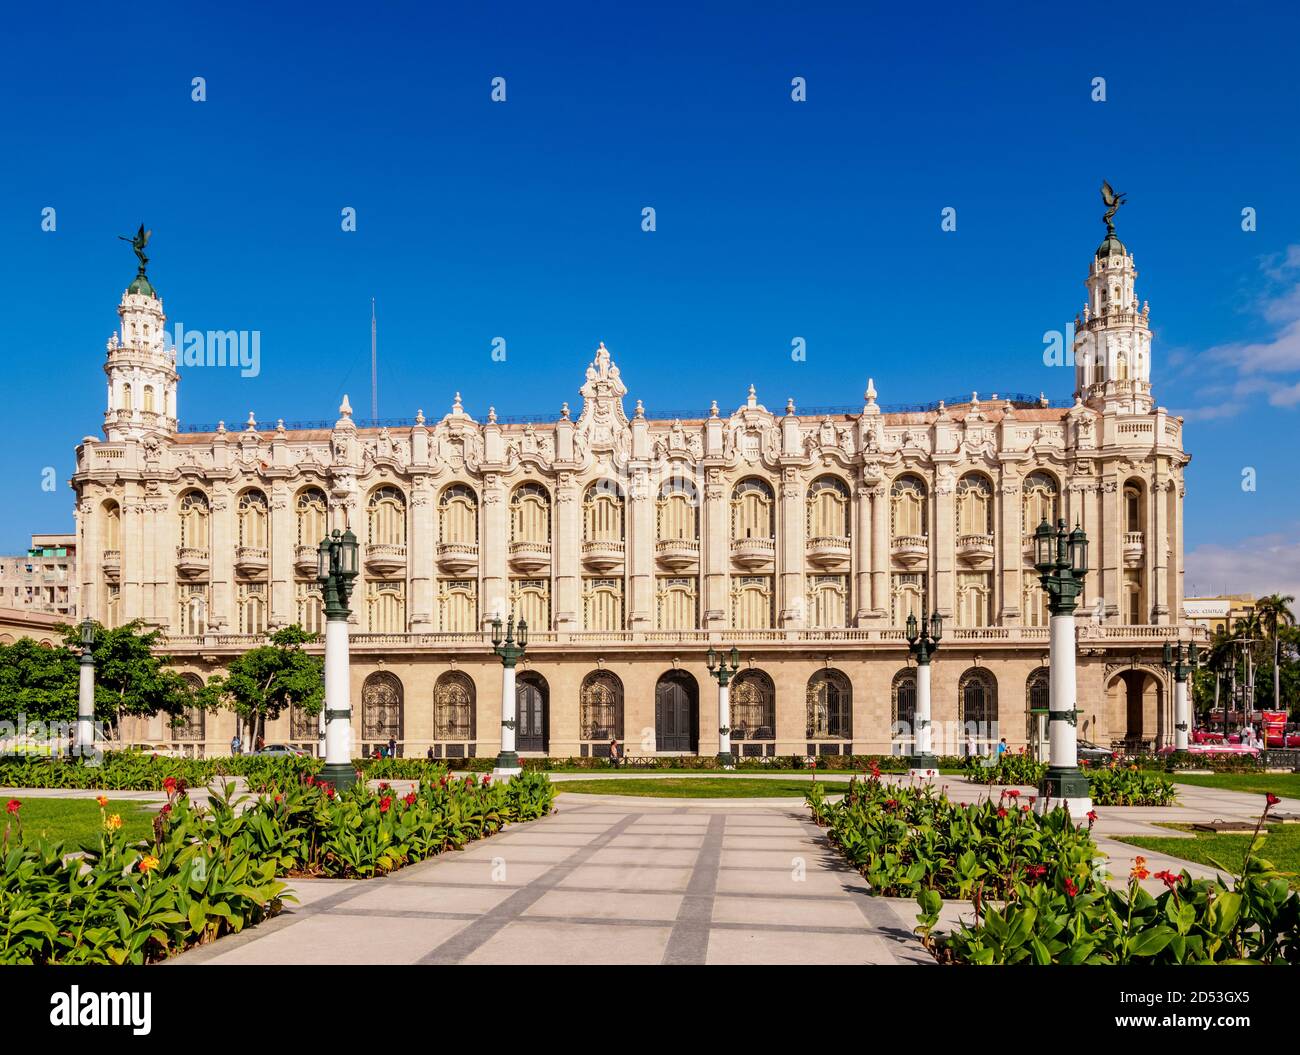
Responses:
[602,604]
[907,502]
[386,606]
[751,602]
[1038,695]
[907,596]
[458,515]
[312,511]
[1040,500]
[1132,506]
[192,608]
[753,706]
[381,708]
[753,510]
[602,511]
[902,709]
[303,727]
[977,701]
[128,401]
[112,526]
[254,518]
[530,600]
[453,707]
[386,515]
[974,598]
[309,609]
[678,510]
[190,724]
[974,505]
[194,520]
[458,604]
[252,608]
[601,703]
[830,706]
[1121,367]
[530,514]
[828,601]
[828,508]
[148,407]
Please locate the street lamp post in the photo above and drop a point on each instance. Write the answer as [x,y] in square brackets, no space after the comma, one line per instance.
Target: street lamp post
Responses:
[85,741]
[923,640]
[336,571]
[1180,659]
[1061,558]
[724,668]
[511,651]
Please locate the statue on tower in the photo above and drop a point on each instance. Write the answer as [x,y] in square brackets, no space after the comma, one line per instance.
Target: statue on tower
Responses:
[138,242]
[1111,198]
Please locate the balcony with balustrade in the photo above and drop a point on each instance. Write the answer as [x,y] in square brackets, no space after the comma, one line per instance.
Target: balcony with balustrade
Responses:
[1134,548]
[754,554]
[527,555]
[305,560]
[385,558]
[829,552]
[976,551]
[192,562]
[678,554]
[252,561]
[110,562]
[603,555]
[456,558]
[910,550]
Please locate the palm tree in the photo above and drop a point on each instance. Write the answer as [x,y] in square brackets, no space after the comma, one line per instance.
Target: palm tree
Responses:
[1274,610]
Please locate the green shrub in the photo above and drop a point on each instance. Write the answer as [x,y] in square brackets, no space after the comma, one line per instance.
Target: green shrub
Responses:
[1008,768]
[1194,921]
[1120,785]
[906,839]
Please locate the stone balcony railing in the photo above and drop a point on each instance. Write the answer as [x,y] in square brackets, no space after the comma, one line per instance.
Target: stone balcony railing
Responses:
[385,558]
[110,562]
[457,557]
[306,559]
[678,554]
[975,550]
[753,553]
[252,560]
[1134,548]
[603,554]
[527,555]
[910,550]
[828,551]
[191,562]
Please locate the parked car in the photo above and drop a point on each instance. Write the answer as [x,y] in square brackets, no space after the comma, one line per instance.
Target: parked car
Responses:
[1090,752]
[280,750]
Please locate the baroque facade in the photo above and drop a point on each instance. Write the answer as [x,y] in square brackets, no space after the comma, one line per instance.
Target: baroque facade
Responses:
[630,544]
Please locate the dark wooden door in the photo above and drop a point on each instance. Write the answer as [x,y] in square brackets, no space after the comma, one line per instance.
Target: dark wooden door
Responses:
[675,716]
[530,703]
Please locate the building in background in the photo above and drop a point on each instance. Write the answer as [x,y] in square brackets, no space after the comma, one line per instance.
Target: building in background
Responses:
[1218,613]
[631,543]
[44,579]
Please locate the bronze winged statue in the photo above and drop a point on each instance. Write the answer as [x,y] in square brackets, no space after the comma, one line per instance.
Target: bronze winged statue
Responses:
[138,241]
[1112,199]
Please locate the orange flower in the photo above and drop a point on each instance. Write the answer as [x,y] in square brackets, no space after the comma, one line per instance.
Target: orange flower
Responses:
[1139,868]
[113,822]
[102,800]
[148,863]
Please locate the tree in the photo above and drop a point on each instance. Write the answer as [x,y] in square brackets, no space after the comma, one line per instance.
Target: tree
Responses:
[130,679]
[264,681]
[1275,612]
[38,682]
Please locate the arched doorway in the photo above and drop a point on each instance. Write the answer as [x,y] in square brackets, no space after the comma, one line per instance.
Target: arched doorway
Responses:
[753,714]
[532,712]
[1136,699]
[381,711]
[677,712]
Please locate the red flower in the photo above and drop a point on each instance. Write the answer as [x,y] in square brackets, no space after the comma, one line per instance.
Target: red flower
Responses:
[469,781]
[443,782]
[1070,888]
[169,785]
[385,803]
[1033,799]
[1139,870]
[1024,808]
[1002,811]
[329,790]
[279,799]
[1272,799]
[1092,817]
[1013,793]
[1036,871]
[14,806]
[487,779]
[891,804]
[1169,879]
[410,799]
[166,809]
[384,785]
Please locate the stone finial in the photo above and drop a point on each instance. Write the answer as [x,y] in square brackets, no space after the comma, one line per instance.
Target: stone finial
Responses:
[345,408]
[870,393]
[752,398]
[279,424]
[789,406]
[564,412]
[713,409]
[221,426]
[252,422]
[419,416]
[1042,400]
[492,415]
[456,408]
[975,399]
[943,408]
[640,409]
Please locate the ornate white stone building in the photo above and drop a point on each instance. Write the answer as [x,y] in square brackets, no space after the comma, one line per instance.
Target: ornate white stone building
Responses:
[631,543]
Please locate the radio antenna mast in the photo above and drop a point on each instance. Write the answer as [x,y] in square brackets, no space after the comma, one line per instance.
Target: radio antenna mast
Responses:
[374,367]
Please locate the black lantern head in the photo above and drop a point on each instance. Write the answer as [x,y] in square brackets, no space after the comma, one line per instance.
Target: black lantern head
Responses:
[1044,558]
[735,658]
[348,563]
[1078,551]
[496,632]
[1169,655]
[523,632]
[87,632]
[1193,656]
[911,627]
[936,626]
[711,659]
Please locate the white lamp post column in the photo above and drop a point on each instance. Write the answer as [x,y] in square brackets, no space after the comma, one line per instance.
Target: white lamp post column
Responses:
[336,571]
[1180,660]
[923,640]
[723,668]
[85,739]
[511,652]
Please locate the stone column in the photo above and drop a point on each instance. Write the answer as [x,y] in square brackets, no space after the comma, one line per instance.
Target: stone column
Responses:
[494,546]
[862,554]
[421,556]
[282,546]
[566,554]
[715,556]
[880,552]
[791,532]
[639,547]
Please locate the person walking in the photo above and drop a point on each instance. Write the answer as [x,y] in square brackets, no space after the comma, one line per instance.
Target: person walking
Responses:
[429,753]
[392,747]
[1002,748]
[236,745]
[614,758]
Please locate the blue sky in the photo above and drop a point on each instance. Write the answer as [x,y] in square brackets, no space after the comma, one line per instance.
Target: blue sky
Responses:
[775,219]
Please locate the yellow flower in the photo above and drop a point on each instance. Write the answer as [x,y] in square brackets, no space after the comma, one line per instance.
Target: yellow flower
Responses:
[102,800]
[113,822]
[148,863]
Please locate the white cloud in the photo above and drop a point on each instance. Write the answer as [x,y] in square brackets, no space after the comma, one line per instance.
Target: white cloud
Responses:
[1259,565]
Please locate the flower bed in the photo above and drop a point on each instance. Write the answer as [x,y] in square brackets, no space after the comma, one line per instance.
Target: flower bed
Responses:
[1255,919]
[909,839]
[1120,785]
[212,871]
[1019,768]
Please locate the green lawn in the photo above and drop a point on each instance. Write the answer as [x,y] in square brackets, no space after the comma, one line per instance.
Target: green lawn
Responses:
[698,787]
[1281,846]
[1287,784]
[78,821]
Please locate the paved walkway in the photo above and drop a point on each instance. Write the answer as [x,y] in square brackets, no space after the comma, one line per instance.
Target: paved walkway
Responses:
[606,881]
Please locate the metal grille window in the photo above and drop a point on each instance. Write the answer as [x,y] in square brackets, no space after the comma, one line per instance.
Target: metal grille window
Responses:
[192,720]
[303,726]
[977,696]
[453,707]
[381,708]
[602,707]
[753,707]
[903,706]
[830,706]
